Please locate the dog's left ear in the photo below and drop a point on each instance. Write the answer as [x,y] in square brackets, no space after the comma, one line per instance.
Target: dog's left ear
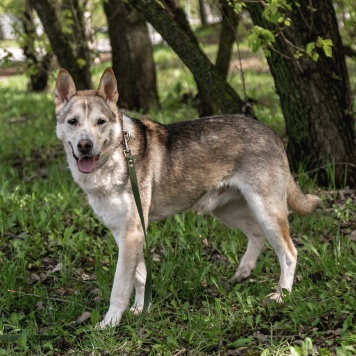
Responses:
[65,88]
[108,86]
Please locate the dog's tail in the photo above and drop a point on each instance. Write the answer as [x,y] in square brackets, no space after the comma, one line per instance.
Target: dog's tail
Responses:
[300,203]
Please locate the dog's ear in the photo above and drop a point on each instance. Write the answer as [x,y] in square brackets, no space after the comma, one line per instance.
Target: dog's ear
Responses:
[65,88]
[108,86]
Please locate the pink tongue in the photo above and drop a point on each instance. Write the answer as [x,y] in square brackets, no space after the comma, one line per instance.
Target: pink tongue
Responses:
[86,164]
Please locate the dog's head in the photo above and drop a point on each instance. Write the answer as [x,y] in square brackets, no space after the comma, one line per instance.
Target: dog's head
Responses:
[87,121]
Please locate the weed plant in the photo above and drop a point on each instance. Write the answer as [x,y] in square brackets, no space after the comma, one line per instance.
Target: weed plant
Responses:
[57,260]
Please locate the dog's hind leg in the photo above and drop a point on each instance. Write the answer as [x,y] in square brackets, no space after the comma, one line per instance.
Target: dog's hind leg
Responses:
[140,280]
[272,216]
[237,214]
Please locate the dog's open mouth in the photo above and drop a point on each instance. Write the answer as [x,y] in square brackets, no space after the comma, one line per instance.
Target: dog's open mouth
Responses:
[86,164]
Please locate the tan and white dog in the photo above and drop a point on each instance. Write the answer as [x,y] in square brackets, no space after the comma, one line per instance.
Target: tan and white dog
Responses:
[231,167]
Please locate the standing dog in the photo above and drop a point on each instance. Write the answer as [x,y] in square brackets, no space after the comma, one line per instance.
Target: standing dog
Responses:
[229,166]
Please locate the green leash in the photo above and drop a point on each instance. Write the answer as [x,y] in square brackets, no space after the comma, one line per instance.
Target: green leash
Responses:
[136,193]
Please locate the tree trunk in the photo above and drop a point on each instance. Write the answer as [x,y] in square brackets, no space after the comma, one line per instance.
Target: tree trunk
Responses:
[222,97]
[202,13]
[61,44]
[38,67]
[205,106]
[131,56]
[229,24]
[2,37]
[78,35]
[315,96]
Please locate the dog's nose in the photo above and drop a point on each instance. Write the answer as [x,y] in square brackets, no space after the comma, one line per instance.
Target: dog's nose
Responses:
[84,146]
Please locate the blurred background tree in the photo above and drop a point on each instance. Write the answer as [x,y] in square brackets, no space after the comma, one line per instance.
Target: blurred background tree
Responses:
[65,26]
[305,44]
[132,59]
[307,60]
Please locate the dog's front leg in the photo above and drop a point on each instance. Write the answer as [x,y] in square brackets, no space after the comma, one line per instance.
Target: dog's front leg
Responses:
[130,249]
[140,282]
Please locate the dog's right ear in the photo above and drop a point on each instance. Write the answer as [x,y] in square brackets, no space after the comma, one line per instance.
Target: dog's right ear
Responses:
[65,88]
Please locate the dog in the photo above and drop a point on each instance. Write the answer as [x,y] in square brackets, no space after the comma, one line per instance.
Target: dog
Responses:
[229,166]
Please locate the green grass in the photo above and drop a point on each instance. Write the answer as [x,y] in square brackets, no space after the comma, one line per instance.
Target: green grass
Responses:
[57,260]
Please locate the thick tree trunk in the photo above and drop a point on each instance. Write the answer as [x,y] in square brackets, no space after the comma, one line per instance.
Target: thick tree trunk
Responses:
[222,97]
[131,56]
[61,44]
[229,24]
[315,96]
[38,67]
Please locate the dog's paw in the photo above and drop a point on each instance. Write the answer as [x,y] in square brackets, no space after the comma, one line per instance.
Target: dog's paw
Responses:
[136,310]
[112,318]
[105,324]
[101,325]
[240,275]
[273,297]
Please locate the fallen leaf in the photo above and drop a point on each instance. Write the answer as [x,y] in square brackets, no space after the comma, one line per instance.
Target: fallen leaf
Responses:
[88,277]
[353,236]
[83,317]
[57,268]
[39,306]
[33,277]
[49,261]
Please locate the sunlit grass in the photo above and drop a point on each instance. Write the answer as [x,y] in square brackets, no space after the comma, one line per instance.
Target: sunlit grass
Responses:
[57,260]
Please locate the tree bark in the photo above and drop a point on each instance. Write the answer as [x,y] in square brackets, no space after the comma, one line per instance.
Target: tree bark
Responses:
[131,56]
[222,97]
[38,67]
[61,44]
[315,95]
[79,38]
[229,24]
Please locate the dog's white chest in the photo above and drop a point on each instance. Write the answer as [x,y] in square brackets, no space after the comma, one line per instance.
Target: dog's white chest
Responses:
[112,209]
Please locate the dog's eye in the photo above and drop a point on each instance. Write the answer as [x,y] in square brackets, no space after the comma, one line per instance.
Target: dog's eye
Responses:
[73,122]
[101,122]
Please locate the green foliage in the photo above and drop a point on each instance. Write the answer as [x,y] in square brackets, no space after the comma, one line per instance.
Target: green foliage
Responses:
[58,261]
[237,5]
[274,11]
[37,40]
[346,13]
[276,14]
[324,44]
[261,38]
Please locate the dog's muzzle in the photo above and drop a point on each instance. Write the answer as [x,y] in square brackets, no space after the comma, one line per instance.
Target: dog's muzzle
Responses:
[86,163]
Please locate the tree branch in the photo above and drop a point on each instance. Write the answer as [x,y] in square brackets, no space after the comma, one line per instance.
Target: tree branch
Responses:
[222,95]
[349,51]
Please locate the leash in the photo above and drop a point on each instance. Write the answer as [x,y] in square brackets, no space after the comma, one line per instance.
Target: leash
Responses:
[136,193]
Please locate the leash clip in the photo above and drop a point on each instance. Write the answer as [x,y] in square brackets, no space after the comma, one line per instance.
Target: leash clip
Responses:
[126,139]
